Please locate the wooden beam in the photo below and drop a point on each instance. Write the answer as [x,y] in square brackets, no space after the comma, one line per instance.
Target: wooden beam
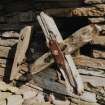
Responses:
[21,51]
[74,42]
[7,52]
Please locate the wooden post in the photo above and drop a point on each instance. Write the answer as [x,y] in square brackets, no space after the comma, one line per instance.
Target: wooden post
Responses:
[21,51]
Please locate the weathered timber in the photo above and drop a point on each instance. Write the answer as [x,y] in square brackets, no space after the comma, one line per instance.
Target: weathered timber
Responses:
[48,25]
[74,42]
[21,51]
[46,81]
[99,54]
[90,62]
[68,68]
[76,76]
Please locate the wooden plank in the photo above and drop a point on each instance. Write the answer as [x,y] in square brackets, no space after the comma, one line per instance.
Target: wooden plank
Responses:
[8,42]
[21,51]
[50,27]
[75,73]
[68,68]
[5,62]
[85,61]
[74,42]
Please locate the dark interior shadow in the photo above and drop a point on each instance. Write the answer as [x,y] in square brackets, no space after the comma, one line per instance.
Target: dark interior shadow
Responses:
[9,63]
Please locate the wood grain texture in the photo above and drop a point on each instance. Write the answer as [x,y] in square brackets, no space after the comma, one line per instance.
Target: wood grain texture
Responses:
[21,51]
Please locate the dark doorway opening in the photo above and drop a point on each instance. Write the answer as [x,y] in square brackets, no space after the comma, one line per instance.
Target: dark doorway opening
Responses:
[68,25]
